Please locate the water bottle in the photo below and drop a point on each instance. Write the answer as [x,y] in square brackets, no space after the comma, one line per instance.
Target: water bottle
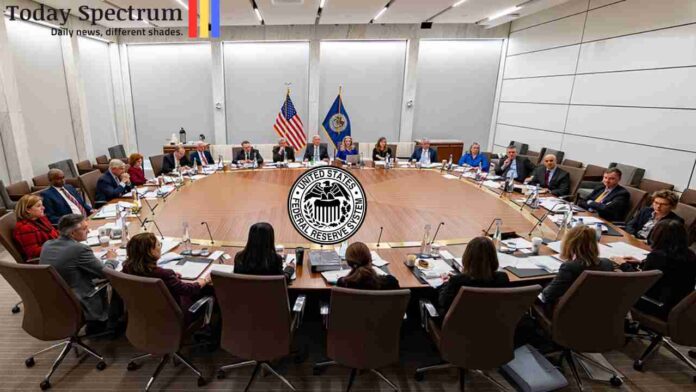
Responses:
[497,235]
[185,238]
[220,162]
[387,162]
[425,244]
[535,197]
[254,164]
[449,163]
[509,183]
[598,231]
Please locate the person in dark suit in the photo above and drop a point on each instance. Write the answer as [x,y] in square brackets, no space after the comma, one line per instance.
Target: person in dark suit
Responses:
[175,161]
[424,154]
[283,151]
[143,251]
[316,151]
[202,156]
[610,200]
[362,274]
[114,182]
[259,256]
[551,178]
[580,252]
[32,229]
[671,255]
[663,204]
[479,269]
[247,155]
[61,199]
[520,167]
[78,266]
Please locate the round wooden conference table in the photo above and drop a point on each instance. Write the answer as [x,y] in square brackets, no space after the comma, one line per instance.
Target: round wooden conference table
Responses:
[400,200]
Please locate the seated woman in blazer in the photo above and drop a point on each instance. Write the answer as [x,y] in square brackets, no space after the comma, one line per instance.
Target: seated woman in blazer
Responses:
[346,148]
[671,255]
[362,275]
[259,256]
[663,204]
[32,228]
[381,150]
[580,252]
[479,269]
[137,174]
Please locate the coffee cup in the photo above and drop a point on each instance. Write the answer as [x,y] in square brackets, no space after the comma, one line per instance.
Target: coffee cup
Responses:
[411,260]
[299,255]
[536,244]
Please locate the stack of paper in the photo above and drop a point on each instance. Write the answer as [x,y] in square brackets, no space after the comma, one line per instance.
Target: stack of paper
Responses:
[491,184]
[294,165]
[168,258]
[333,276]
[198,177]
[188,270]
[623,249]
[450,177]
[548,263]
[377,261]
[226,268]
[518,243]
[168,244]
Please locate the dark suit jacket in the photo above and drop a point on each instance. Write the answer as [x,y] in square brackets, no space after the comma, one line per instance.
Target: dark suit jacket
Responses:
[289,153]
[108,188]
[448,291]
[169,162]
[418,152]
[524,168]
[385,282]
[643,216]
[559,184]
[56,206]
[77,265]
[242,266]
[309,152]
[241,156]
[613,207]
[195,158]
[677,281]
[567,273]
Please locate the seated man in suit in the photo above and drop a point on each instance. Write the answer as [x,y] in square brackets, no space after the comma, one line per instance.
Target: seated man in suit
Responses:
[78,266]
[610,200]
[175,161]
[315,151]
[247,155]
[551,177]
[520,167]
[283,152]
[114,182]
[202,156]
[62,199]
[424,154]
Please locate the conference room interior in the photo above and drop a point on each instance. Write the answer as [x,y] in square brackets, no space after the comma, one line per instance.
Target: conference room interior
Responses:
[549,122]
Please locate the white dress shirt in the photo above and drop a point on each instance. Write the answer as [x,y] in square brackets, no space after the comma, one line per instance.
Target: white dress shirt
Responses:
[75,209]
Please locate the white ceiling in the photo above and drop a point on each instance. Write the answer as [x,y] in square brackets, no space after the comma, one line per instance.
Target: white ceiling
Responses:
[240,12]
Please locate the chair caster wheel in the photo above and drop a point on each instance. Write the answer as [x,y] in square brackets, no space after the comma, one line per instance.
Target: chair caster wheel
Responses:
[45,384]
[201,381]
[615,381]
[29,362]
[132,366]
[101,365]
[419,376]
[221,374]
[317,370]
[15,309]
[692,353]
[638,365]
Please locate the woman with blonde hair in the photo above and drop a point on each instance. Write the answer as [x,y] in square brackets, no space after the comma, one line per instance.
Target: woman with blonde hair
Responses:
[33,227]
[346,148]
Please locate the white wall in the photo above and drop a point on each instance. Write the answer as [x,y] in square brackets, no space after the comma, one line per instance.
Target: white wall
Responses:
[455,89]
[606,81]
[256,74]
[38,66]
[4,174]
[172,88]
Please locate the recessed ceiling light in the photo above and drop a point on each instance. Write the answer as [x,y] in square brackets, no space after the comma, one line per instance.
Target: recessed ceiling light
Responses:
[380,13]
[504,12]
[457,4]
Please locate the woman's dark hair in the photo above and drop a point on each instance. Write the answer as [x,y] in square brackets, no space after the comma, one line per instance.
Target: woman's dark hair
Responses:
[359,259]
[377,147]
[260,246]
[139,251]
[670,236]
[480,260]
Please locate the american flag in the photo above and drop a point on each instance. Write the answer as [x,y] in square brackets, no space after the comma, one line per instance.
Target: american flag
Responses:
[289,125]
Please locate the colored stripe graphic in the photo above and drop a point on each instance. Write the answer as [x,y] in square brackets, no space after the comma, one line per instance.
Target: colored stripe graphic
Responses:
[205,19]
[215,19]
[193,18]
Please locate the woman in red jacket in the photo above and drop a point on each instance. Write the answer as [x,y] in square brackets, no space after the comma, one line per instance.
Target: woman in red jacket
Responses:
[33,227]
[137,174]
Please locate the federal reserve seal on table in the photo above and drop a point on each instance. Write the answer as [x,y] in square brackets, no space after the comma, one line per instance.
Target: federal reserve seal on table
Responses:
[327,205]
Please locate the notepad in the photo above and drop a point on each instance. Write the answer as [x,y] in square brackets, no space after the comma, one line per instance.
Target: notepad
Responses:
[168,258]
[450,177]
[377,261]
[226,268]
[333,276]
[624,249]
[168,244]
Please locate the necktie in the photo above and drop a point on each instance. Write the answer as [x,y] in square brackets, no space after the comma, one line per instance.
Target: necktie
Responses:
[205,161]
[246,155]
[602,196]
[316,153]
[546,178]
[74,201]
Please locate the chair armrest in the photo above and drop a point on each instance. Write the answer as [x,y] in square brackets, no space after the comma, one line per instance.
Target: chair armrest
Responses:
[208,302]
[35,260]
[324,313]
[298,310]
[98,288]
[652,301]
[427,311]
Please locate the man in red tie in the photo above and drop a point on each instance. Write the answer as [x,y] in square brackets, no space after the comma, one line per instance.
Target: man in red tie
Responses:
[62,199]
[551,178]
[202,156]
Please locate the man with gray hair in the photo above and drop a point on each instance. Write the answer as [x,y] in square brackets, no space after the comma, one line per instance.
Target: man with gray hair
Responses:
[424,154]
[113,183]
[78,266]
[283,152]
[61,199]
[202,156]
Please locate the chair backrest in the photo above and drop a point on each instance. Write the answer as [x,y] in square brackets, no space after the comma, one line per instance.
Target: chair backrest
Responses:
[67,166]
[393,149]
[546,151]
[235,151]
[638,198]
[682,321]
[18,189]
[630,175]
[405,149]
[686,212]
[84,167]
[522,148]
[155,320]
[603,297]
[533,156]
[364,325]
[576,174]
[41,181]
[478,330]
[102,159]
[88,184]
[7,225]
[572,163]
[255,315]
[594,172]
[651,186]
[51,310]
[117,152]
[5,197]
[688,197]
[156,161]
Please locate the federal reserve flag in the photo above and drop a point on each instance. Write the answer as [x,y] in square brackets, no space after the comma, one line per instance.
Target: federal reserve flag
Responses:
[337,124]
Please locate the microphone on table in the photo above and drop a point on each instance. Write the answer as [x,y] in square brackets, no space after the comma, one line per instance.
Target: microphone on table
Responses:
[485,232]
[152,209]
[148,220]
[436,231]
[380,235]
[212,242]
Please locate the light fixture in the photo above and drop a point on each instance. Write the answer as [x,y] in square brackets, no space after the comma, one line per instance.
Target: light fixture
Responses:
[322,3]
[457,4]
[181,2]
[381,13]
[504,13]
